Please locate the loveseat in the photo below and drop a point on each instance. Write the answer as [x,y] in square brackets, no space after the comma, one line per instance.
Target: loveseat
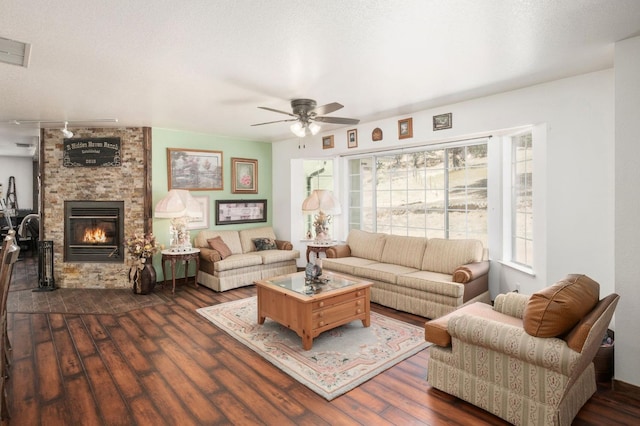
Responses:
[230,259]
[527,359]
[426,277]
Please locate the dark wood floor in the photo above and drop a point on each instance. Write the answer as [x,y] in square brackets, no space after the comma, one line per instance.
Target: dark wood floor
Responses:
[165,364]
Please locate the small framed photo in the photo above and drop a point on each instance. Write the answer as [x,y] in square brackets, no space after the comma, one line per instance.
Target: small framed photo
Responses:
[442,121]
[405,128]
[352,138]
[327,142]
[376,135]
[203,221]
[244,176]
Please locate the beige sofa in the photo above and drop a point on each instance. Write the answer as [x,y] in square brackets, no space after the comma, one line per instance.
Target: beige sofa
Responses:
[427,277]
[527,359]
[245,264]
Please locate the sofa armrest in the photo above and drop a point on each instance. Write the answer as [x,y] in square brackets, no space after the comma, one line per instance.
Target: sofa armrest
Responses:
[209,255]
[548,352]
[469,272]
[284,245]
[511,304]
[342,250]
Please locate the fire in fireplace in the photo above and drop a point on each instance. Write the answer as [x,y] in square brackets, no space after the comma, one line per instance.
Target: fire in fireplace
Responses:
[94,231]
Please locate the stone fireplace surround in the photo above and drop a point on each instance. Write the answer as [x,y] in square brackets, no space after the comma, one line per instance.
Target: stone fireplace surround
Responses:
[131,183]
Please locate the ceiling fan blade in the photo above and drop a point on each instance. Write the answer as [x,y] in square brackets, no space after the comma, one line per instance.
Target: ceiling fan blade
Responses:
[337,120]
[278,111]
[277,121]
[327,109]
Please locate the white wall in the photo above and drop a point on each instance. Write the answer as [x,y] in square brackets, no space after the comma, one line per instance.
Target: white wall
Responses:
[573,182]
[22,169]
[627,206]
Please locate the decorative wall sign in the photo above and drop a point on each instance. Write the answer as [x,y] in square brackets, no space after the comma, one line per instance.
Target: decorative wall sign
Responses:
[91,152]
[244,176]
[442,121]
[194,169]
[405,128]
[376,135]
[240,211]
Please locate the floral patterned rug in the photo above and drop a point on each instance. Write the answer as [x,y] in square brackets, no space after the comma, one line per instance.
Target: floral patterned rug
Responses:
[340,359]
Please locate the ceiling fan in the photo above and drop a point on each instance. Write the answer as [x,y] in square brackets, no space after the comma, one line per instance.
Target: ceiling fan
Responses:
[305,113]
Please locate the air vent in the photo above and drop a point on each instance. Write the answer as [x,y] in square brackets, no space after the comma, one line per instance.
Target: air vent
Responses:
[24,145]
[14,52]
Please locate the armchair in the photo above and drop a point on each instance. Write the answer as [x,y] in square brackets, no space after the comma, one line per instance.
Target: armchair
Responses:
[487,357]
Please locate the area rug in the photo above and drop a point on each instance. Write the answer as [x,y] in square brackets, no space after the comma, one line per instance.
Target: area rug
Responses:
[340,359]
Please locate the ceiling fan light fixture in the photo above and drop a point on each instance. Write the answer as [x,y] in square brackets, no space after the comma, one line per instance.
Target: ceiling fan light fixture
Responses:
[298,129]
[66,132]
[314,128]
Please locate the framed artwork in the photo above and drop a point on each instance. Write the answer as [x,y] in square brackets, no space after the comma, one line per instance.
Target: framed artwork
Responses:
[442,121]
[376,135]
[200,222]
[194,169]
[327,142]
[352,138]
[240,211]
[244,176]
[405,128]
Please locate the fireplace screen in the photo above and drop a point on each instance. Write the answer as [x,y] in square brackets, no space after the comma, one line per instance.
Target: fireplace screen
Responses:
[94,231]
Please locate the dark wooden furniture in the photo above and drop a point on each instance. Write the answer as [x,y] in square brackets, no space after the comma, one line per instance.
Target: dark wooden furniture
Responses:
[181,256]
[317,249]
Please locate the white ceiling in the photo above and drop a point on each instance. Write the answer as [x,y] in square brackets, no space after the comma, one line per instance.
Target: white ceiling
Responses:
[206,65]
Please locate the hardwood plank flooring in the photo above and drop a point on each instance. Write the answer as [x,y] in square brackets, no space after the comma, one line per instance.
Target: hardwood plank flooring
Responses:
[166,365]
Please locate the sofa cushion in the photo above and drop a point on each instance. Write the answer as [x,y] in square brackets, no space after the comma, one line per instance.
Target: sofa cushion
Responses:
[435,331]
[247,236]
[366,245]
[220,246]
[406,251]
[345,265]
[386,272]
[275,256]
[236,261]
[431,282]
[264,244]
[555,310]
[230,238]
[445,256]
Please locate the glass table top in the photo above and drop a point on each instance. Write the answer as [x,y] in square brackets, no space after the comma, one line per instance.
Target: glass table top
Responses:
[299,284]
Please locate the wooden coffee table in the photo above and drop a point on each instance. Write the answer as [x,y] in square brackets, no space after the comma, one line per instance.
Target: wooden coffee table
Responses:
[339,301]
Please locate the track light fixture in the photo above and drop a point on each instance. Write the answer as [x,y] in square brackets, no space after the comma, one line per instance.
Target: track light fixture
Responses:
[66,132]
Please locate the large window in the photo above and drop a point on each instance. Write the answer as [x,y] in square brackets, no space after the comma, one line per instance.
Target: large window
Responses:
[522,199]
[427,193]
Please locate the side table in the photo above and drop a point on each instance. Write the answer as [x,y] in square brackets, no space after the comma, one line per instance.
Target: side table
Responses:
[318,248]
[182,256]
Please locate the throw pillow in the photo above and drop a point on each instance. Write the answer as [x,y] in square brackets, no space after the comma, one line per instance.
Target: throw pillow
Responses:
[264,244]
[220,246]
[555,310]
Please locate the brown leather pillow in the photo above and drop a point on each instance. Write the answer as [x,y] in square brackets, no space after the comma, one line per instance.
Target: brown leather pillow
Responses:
[555,310]
[219,245]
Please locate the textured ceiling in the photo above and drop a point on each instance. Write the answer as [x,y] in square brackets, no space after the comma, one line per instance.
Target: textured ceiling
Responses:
[206,66]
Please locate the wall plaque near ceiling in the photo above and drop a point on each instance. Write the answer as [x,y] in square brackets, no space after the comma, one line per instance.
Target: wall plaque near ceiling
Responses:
[91,152]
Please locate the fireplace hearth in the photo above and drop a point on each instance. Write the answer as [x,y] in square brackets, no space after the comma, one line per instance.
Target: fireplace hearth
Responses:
[94,231]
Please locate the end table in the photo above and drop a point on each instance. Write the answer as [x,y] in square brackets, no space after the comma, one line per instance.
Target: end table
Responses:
[182,256]
[317,248]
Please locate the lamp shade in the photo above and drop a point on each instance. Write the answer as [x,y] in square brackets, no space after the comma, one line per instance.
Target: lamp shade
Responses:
[321,200]
[178,203]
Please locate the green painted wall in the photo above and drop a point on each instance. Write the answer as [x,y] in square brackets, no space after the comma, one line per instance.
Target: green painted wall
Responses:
[165,138]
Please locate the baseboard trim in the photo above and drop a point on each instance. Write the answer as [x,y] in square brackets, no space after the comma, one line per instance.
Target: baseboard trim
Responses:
[628,389]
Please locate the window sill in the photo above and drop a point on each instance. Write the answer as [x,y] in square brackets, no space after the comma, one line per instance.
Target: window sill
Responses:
[521,268]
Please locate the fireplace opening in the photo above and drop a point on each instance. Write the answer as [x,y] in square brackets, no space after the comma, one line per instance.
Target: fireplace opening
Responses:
[94,231]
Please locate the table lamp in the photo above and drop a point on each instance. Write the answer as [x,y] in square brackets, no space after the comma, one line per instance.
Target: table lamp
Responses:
[178,205]
[323,204]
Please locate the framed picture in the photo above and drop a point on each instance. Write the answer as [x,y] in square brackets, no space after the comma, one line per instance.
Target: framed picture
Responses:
[203,221]
[442,121]
[240,211]
[376,135]
[244,176]
[405,128]
[327,142]
[194,169]
[352,138]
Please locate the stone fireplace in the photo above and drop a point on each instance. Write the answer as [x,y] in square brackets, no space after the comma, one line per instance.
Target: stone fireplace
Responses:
[128,184]
[94,231]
